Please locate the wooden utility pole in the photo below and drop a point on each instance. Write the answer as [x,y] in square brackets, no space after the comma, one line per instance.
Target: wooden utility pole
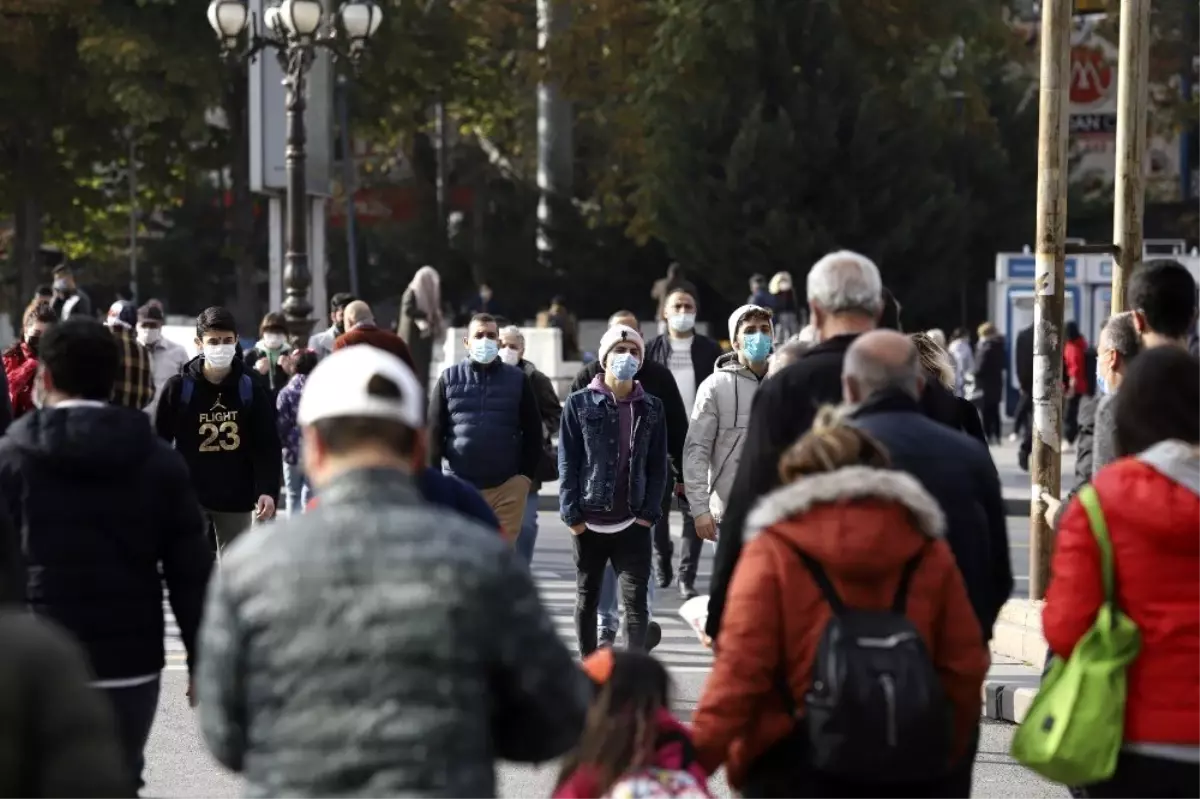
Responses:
[1130,189]
[1053,116]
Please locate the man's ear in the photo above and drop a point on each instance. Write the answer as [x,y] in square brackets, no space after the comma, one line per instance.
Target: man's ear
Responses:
[199,343]
[1139,322]
[920,385]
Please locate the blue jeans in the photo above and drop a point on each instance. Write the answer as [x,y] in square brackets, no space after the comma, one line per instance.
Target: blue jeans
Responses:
[607,616]
[529,529]
[295,488]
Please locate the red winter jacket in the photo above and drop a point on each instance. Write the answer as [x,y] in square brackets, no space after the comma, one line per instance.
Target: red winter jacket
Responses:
[1151,504]
[20,367]
[1075,360]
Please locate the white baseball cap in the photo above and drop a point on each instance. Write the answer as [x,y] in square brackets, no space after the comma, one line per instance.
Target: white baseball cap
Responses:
[338,388]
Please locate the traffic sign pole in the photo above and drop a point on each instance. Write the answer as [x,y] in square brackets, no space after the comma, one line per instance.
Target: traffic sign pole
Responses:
[1130,185]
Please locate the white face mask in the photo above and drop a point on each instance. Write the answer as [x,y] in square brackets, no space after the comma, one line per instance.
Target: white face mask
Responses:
[510,356]
[682,322]
[219,356]
[272,341]
[149,335]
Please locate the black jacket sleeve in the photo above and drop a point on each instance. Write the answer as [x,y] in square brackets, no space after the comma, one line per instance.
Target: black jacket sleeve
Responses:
[1001,577]
[1086,437]
[435,424]
[549,405]
[166,413]
[773,427]
[585,376]
[183,547]
[268,463]
[677,419]
[532,440]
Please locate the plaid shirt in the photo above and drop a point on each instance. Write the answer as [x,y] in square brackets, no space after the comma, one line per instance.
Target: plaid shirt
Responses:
[134,387]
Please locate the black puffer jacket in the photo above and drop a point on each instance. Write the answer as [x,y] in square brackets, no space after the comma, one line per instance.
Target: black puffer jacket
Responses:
[58,736]
[99,501]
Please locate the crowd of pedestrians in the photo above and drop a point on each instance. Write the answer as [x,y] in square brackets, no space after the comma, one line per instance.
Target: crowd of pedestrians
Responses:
[384,636]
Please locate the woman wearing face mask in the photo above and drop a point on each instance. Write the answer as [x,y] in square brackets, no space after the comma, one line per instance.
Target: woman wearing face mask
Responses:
[613,473]
[267,357]
[20,360]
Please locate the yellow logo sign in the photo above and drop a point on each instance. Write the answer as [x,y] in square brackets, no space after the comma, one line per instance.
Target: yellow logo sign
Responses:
[219,429]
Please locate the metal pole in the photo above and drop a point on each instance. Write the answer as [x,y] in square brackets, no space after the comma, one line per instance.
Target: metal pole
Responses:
[133,221]
[554,130]
[348,182]
[296,277]
[1130,188]
[1053,116]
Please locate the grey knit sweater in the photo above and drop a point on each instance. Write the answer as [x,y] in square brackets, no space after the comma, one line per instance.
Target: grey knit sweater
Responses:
[379,646]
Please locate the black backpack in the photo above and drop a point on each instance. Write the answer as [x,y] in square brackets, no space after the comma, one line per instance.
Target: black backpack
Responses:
[876,711]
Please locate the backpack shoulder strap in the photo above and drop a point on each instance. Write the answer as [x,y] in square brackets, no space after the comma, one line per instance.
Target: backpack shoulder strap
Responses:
[1090,501]
[900,602]
[819,577]
[246,390]
[185,394]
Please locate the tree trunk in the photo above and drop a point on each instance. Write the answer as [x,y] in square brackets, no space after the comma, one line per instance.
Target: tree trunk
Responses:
[27,244]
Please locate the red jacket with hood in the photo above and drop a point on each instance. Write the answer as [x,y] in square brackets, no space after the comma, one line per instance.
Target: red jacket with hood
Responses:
[862,525]
[1151,504]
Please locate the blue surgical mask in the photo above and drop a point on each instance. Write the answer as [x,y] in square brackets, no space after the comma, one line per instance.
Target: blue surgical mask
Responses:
[623,366]
[757,346]
[483,350]
[682,322]
[1101,383]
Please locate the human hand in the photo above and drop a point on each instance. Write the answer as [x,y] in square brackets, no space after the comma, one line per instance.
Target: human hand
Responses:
[679,490]
[263,366]
[578,529]
[706,528]
[265,509]
[1053,504]
[642,522]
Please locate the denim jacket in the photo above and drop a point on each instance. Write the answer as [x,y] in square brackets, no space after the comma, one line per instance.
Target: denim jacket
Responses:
[587,457]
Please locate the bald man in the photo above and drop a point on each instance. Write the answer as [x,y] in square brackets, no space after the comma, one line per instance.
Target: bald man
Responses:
[882,380]
[359,321]
[657,380]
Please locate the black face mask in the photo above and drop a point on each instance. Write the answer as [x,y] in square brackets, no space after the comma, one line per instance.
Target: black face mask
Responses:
[339,327]
[33,342]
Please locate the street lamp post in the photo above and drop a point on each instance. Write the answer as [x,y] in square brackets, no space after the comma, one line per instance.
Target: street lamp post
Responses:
[294,29]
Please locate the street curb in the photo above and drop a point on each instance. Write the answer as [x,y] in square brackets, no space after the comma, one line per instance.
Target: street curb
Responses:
[1007,702]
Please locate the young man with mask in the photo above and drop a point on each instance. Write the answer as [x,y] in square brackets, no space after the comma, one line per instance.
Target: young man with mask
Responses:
[415,652]
[613,471]
[223,423]
[691,357]
[718,430]
[485,425]
[166,357]
[69,300]
[323,342]
[134,387]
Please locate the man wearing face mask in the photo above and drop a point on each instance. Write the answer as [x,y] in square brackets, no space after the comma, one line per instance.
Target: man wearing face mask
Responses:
[512,352]
[166,357]
[718,430]
[323,342]
[69,300]
[134,387]
[485,427]
[223,423]
[613,471]
[691,357]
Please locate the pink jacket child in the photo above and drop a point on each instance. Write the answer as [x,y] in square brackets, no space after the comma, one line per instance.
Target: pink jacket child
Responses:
[631,707]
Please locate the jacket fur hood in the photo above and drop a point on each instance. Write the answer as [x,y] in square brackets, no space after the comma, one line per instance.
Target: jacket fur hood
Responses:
[848,484]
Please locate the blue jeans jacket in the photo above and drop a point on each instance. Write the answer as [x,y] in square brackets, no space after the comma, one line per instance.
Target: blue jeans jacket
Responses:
[587,458]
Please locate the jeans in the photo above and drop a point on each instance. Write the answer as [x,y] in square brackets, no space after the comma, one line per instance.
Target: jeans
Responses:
[629,553]
[529,529]
[295,487]
[693,546]
[226,526]
[609,619]
[134,708]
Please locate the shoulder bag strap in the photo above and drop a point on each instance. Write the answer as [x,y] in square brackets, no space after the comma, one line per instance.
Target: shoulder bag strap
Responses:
[819,577]
[1091,505]
[900,602]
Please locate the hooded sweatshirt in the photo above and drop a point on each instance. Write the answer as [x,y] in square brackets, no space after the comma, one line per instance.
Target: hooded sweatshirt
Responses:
[629,410]
[232,451]
[99,501]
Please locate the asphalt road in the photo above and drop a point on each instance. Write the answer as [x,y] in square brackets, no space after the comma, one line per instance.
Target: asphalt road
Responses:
[178,765]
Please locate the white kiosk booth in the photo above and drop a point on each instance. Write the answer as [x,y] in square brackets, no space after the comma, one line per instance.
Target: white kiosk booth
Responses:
[1087,296]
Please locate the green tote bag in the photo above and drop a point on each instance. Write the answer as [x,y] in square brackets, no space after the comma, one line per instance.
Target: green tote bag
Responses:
[1074,729]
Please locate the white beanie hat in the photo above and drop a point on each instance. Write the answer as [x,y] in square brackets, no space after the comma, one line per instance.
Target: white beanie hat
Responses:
[616,334]
[737,316]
